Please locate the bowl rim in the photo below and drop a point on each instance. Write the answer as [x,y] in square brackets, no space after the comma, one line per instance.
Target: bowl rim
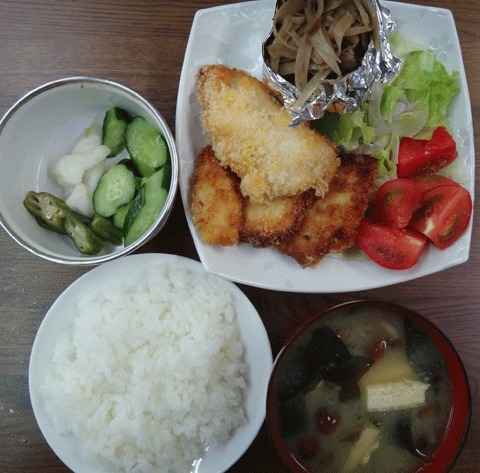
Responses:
[458,423]
[86,260]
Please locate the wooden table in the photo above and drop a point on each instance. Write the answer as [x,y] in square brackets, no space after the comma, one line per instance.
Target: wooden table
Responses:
[141,44]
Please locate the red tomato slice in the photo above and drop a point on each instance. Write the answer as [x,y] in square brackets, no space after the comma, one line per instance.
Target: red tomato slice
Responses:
[444,215]
[426,156]
[392,248]
[428,182]
[396,200]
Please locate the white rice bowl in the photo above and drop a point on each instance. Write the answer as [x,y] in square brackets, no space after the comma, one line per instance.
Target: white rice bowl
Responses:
[151,373]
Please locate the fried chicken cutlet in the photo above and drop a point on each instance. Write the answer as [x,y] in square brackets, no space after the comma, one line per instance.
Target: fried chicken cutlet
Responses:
[250,132]
[224,217]
[217,204]
[332,222]
[266,224]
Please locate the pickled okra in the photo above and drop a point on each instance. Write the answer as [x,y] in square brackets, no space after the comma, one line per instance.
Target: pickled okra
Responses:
[105,228]
[84,238]
[50,211]
[53,214]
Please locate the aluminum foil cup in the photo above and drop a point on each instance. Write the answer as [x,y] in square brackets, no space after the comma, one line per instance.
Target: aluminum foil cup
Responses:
[352,90]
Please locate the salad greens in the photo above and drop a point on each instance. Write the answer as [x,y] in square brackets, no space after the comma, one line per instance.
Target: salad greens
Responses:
[413,105]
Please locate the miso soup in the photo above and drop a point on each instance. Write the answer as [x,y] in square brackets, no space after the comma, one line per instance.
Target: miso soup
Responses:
[364,391]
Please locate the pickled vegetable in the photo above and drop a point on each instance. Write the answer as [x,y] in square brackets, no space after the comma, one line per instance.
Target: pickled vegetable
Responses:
[115,188]
[114,129]
[49,211]
[105,228]
[146,146]
[52,213]
[69,169]
[140,219]
[84,238]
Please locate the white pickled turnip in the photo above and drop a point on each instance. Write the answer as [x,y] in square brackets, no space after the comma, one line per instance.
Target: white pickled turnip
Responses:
[80,200]
[92,175]
[68,171]
[90,138]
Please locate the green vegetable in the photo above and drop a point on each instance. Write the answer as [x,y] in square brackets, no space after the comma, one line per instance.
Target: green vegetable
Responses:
[84,238]
[166,175]
[413,104]
[119,216]
[133,191]
[146,146]
[129,164]
[114,129]
[115,188]
[146,207]
[424,79]
[53,214]
[135,206]
[105,228]
[49,211]
[163,177]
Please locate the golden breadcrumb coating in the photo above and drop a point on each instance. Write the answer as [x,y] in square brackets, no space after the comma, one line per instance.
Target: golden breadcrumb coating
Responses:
[266,224]
[331,224]
[250,132]
[216,201]
[223,216]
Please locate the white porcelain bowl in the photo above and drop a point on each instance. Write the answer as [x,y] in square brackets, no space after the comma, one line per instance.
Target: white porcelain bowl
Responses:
[132,271]
[44,125]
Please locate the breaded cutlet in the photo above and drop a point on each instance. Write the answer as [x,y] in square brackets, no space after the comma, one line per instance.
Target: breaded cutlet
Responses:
[266,224]
[332,222]
[223,216]
[217,204]
[250,132]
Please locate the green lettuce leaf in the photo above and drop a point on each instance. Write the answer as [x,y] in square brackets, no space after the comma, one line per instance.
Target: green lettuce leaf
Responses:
[413,104]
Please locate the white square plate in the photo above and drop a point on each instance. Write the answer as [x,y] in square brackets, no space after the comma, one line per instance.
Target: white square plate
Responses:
[233,35]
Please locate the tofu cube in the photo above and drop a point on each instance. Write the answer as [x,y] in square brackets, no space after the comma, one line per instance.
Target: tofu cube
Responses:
[391,384]
[402,394]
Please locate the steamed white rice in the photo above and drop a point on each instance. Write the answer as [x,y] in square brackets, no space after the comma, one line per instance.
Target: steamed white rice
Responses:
[152,374]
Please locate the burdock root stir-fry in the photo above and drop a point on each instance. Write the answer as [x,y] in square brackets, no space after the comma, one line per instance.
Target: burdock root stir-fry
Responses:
[319,41]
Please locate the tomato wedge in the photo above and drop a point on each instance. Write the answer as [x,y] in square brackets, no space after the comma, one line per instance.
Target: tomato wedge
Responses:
[426,156]
[428,182]
[444,215]
[396,200]
[392,248]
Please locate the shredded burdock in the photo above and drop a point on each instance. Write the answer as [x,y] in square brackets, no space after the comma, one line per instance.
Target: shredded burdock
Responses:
[319,41]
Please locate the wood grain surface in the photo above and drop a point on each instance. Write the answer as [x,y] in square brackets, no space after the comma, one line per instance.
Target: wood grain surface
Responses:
[142,44]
